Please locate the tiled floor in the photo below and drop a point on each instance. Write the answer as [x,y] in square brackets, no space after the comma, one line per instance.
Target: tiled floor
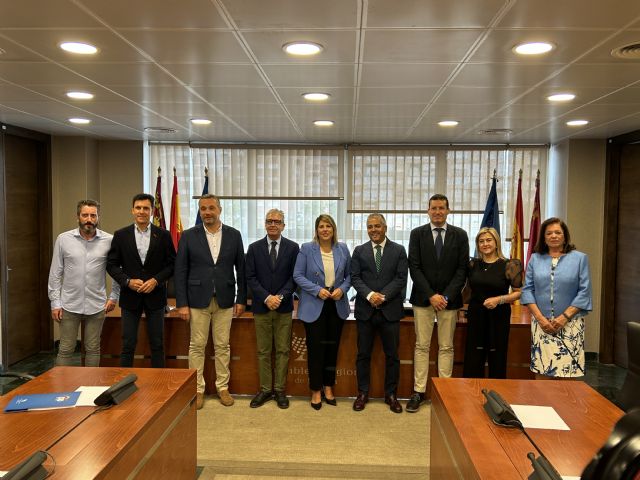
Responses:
[606,379]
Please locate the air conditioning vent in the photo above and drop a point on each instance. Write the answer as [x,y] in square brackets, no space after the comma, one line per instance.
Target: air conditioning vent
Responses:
[627,52]
[159,130]
[496,131]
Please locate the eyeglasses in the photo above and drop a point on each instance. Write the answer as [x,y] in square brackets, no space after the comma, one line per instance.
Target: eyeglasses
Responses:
[273,222]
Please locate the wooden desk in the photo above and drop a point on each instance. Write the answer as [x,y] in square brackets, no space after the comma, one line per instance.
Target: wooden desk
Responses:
[244,361]
[466,444]
[152,434]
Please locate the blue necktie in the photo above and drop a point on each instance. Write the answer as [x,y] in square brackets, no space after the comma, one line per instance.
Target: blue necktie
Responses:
[439,242]
[272,254]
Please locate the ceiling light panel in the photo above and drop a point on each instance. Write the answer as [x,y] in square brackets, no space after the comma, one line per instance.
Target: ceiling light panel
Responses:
[78,95]
[79,48]
[302,48]
[533,48]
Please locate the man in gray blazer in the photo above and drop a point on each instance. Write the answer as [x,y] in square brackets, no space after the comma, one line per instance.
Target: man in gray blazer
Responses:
[205,287]
[379,274]
[438,260]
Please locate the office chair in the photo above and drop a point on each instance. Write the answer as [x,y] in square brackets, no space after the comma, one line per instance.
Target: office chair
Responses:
[630,394]
[23,376]
[619,457]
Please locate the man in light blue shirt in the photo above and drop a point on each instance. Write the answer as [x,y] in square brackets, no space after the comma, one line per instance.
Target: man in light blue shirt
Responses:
[77,284]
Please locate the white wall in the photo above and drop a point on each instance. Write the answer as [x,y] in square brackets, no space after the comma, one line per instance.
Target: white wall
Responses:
[576,188]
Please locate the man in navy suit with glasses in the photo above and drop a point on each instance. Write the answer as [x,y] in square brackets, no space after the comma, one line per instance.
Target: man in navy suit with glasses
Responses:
[269,264]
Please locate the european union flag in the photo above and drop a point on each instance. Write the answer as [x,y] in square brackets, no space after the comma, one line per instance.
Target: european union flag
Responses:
[205,190]
[491,217]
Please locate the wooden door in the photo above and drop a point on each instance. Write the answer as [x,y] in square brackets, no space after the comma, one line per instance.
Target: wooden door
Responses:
[26,247]
[627,298]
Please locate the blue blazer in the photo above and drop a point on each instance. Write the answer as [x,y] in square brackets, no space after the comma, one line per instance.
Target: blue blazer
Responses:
[391,281]
[309,275]
[196,276]
[265,280]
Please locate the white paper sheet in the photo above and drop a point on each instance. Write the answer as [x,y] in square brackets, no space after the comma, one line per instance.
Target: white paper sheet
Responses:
[533,416]
[88,395]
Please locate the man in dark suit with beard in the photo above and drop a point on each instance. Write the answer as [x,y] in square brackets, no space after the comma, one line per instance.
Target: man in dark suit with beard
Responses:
[270,263]
[141,260]
[379,275]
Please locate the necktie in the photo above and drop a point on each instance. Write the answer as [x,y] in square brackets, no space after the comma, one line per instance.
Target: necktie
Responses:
[272,253]
[378,258]
[439,242]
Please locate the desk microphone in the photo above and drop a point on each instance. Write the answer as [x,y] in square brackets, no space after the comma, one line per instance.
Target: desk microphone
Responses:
[118,392]
[502,414]
[542,468]
[30,468]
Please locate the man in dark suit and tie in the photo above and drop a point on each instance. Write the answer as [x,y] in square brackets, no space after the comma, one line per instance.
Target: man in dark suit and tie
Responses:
[438,260]
[205,286]
[270,263]
[379,275]
[141,260]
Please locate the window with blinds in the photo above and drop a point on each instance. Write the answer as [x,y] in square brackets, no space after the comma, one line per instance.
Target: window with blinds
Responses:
[303,182]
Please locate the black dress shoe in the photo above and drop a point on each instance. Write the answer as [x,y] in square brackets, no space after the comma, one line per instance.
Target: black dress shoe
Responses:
[360,401]
[260,399]
[281,399]
[394,404]
[329,401]
[316,406]
[414,402]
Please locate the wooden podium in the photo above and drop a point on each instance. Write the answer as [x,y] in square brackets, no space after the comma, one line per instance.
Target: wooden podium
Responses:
[152,434]
[466,444]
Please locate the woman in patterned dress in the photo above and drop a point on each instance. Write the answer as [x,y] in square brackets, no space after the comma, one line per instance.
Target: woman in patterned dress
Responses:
[557,291]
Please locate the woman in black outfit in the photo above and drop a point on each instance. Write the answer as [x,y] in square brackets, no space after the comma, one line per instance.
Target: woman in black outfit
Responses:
[495,283]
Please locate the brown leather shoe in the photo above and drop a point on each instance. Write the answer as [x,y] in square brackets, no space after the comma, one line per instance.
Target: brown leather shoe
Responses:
[199,400]
[394,404]
[225,398]
[360,401]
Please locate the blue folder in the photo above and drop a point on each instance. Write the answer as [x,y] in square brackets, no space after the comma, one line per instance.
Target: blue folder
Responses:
[42,401]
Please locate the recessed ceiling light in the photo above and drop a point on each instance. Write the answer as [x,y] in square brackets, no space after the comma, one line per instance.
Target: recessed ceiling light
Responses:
[77,47]
[316,97]
[80,95]
[577,123]
[80,121]
[302,48]
[561,97]
[200,121]
[533,48]
[323,123]
[448,123]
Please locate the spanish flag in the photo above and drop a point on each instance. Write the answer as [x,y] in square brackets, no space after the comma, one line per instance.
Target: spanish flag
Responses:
[176,223]
[517,241]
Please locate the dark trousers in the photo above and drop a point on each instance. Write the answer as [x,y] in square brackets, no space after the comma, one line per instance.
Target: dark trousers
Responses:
[390,336]
[155,331]
[323,339]
[492,350]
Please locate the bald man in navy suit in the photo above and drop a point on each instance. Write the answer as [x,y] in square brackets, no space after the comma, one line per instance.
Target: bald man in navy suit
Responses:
[270,263]
[379,271]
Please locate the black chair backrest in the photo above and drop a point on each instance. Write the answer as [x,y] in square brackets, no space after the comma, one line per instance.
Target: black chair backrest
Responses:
[630,394]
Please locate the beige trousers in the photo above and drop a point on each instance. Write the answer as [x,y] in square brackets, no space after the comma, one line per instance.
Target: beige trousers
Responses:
[201,319]
[423,320]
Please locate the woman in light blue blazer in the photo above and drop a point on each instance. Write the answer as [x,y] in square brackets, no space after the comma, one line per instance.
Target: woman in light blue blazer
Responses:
[323,273]
[557,290]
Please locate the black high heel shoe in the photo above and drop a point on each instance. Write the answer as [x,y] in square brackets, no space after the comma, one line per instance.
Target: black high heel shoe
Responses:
[329,401]
[316,406]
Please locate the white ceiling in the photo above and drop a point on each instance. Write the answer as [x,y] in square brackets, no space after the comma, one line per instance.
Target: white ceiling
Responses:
[394,68]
